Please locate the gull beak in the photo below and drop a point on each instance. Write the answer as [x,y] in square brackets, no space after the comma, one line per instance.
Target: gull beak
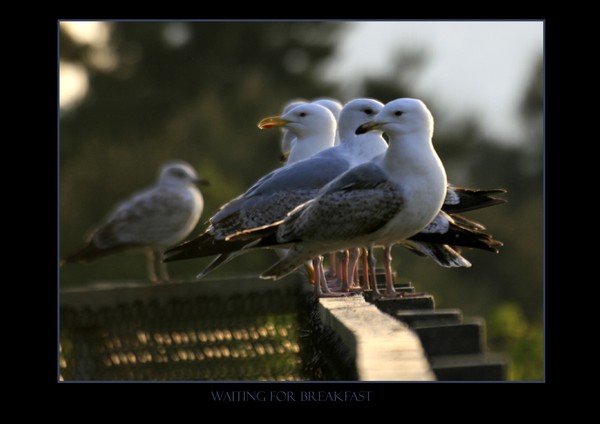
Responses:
[272,121]
[201,182]
[366,127]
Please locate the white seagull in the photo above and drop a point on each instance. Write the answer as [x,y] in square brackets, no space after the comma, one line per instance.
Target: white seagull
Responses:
[288,138]
[312,125]
[152,220]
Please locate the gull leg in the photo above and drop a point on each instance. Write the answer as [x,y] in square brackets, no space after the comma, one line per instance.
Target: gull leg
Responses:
[336,277]
[317,278]
[345,276]
[389,274]
[372,264]
[353,268]
[320,280]
[162,267]
[332,273]
[150,265]
[365,269]
[320,270]
[310,272]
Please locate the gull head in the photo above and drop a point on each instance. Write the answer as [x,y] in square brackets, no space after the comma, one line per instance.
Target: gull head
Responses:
[292,104]
[179,173]
[355,113]
[400,117]
[305,120]
[333,105]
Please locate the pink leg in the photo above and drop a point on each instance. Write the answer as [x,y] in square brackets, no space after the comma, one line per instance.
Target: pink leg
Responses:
[332,273]
[321,271]
[339,261]
[365,269]
[352,267]
[372,264]
[334,278]
[321,280]
[345,277]
[389,274]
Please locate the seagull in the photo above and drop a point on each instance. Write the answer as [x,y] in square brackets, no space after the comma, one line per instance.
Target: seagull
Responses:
[288,138]
[313,126]
[383,201]
[151,220]
[335,107]
[277,193]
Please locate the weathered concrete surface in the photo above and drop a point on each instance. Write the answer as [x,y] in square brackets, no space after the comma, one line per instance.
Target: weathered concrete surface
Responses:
[385,349]
[112,293]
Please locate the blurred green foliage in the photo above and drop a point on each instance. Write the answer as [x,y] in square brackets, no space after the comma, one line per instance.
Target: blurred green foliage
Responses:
[152,98]
[510,331]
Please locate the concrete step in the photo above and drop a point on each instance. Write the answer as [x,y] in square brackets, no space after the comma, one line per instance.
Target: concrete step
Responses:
[454,339]
[427,318]
[393,305]
[476,367]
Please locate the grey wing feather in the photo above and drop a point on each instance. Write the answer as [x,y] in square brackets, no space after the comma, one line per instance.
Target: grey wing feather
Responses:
[366,175]
[145,219]
[274,195]
[357,203]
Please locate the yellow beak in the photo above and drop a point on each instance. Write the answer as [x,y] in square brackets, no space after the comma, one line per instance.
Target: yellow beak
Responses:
[272,121]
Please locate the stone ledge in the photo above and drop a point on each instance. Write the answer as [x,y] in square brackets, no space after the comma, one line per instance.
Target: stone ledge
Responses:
[384,348]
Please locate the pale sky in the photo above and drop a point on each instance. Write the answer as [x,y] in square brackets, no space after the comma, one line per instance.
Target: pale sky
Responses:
[476,68]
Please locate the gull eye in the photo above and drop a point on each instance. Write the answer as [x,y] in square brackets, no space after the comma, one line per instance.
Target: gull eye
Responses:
[368,111]
[302,114]
[398,113]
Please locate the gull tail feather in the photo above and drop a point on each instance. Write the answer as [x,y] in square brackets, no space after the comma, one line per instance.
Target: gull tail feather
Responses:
[461,237]
[295,258]
[442,254]
[222,259]
[472,199]
[203,245]
[90,252]
[467,223]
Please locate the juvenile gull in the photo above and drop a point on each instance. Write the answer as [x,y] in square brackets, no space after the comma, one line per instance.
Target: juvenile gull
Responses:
[152,220]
